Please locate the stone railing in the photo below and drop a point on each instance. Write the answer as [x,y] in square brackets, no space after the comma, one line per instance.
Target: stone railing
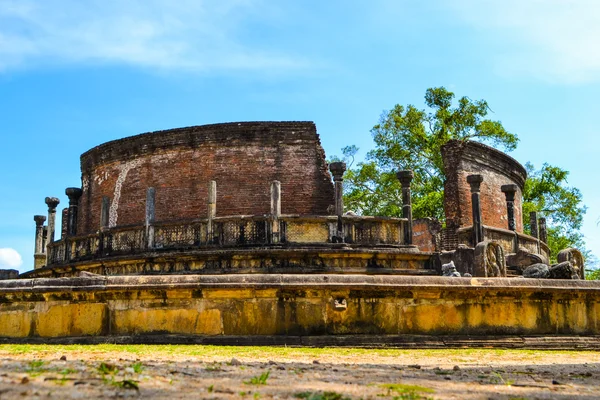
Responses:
[228,232]
[509,240]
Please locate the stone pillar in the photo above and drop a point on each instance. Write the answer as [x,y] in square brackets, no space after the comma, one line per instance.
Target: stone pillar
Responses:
[275,210]
[52,202]
[64,221]
[74,194]
[104,212]
[150,216]
[509,191]
[533,224]
[39,258]
[475,182]
[212,210]
[543,232]
[405,177]
[337,170]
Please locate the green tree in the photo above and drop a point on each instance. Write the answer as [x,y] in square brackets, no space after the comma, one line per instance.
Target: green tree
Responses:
[546,192]
[412,138]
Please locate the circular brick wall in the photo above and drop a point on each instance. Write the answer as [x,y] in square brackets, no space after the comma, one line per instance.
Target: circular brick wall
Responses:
[497,168]
[243,158]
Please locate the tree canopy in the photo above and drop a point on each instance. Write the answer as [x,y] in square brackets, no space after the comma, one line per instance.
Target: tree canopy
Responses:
[407,137]
[412,138]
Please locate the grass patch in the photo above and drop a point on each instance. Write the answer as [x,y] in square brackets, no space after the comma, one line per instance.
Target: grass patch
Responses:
[259,380]
[320,396]
[42,350]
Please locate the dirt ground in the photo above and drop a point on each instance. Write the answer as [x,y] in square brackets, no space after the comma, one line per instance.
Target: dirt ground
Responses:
[187,372]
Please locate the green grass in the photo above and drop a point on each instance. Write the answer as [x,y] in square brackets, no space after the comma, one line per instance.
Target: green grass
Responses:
[320,396]
[259,380]
[253,351]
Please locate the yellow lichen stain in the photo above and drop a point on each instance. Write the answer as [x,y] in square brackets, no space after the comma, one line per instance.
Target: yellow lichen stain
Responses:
[182,321]
[431,317]
[81,319]
[307,232]
[228,293]
[15,323]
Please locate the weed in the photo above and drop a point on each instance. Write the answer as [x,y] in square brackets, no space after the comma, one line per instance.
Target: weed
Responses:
[214,367]
[137,367]
[320,396]
[256,395]
[35,367]
[106,368]
[406,392]
[210,388]
[497,378]
[259,380]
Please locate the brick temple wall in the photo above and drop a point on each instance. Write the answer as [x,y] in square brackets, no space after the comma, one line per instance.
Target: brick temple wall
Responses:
[465,158]
[243,158]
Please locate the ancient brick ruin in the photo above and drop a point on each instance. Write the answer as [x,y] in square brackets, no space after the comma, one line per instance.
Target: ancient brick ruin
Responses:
[243,225]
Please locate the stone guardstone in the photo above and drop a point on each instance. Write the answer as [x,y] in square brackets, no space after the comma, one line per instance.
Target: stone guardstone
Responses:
[450,270]
[537,271]
[563,270]
[523,259]
[489,260]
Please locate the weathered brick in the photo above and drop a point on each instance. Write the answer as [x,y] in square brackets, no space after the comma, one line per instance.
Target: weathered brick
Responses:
[243,158]
[466,158]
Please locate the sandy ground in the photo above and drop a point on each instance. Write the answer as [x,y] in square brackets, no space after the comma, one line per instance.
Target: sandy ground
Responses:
[187,372]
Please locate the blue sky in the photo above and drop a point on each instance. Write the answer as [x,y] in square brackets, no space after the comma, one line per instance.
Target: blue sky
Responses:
[74,74]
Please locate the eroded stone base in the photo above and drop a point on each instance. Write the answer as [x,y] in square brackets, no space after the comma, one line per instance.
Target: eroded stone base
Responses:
[221,306]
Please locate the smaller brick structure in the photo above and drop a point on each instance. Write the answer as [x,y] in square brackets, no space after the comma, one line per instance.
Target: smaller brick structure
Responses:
[462,159]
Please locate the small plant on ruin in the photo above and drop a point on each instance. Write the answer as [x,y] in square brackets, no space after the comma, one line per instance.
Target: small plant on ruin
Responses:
[259,380]
[35,367]
[406,392]
[137,367]
[320,396]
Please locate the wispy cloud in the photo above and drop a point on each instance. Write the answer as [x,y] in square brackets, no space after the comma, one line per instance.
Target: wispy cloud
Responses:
[197,35]
[10,258]
[555,40]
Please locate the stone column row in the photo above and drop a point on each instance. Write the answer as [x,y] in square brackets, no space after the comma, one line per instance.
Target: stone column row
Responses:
[509,193]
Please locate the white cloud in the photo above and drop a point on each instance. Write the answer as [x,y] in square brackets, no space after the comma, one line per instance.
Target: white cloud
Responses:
[196,35]
[556,40]
[10,258]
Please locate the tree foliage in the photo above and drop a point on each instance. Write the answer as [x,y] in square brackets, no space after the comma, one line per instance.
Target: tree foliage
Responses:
[412,138]
[546,192]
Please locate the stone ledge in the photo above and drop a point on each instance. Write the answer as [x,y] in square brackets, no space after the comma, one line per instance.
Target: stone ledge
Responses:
[558,342]
[141,282]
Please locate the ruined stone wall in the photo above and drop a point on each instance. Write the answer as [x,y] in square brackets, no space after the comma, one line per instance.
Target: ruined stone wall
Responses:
[243,158]
[263,305]
[465,158]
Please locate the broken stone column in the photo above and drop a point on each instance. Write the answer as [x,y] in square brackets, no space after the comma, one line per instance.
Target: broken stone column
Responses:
[39,258]
[275,210]
[405,178]
[64,220]
[52,203]
[533,224]
[212,210]
[74,194]
[150,216]
[337,170]
[543,232]
[475,182]
[104,212]
[509,191]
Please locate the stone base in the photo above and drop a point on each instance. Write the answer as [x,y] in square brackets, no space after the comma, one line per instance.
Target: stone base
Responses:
[330,258]
[221,307]
[556,342]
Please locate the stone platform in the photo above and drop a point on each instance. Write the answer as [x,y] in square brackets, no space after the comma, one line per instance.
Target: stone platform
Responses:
[277,309]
